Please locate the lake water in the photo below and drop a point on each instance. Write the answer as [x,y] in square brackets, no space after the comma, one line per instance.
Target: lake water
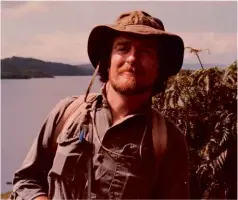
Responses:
[24,107]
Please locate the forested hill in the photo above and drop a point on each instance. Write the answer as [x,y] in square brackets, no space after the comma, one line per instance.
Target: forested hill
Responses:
[18,67]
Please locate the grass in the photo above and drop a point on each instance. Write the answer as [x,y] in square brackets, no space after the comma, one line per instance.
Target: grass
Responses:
[5,195]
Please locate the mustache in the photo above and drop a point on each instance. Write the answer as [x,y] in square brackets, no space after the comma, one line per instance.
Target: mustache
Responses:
[130,69]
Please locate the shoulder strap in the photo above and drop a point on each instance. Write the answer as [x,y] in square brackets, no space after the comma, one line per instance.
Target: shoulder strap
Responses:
[74,107]
[159,130]
[159,134]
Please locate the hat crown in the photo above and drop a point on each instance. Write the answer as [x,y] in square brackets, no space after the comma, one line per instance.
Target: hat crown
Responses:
[139,18]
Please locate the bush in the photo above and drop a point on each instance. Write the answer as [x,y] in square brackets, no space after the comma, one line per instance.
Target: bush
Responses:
[203,104]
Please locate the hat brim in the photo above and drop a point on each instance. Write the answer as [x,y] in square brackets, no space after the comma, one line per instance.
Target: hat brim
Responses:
[171,46]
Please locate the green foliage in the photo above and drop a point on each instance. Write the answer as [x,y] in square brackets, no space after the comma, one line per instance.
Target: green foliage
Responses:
[203,104]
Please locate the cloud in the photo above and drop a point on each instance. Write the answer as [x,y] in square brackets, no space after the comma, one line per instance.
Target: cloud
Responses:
[60,47]
[11,4]
[72,47]
[222,46]
[23,9]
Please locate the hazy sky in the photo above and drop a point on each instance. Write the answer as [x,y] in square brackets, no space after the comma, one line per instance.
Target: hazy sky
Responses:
[58,31]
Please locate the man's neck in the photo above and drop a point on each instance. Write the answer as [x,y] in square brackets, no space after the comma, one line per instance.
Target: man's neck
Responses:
[123,105]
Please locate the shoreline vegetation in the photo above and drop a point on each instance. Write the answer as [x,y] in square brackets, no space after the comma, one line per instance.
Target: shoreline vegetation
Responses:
[27,68]
[6,195]
[203,104]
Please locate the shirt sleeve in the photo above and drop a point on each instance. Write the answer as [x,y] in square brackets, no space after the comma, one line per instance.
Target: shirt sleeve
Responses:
[173,179]
[30,180]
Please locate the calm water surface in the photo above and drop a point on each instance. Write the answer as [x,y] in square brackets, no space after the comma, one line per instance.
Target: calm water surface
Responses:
[25,105]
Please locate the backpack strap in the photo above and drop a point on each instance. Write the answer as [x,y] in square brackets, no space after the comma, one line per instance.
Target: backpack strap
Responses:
[67,118]
[159,135]
[159,130]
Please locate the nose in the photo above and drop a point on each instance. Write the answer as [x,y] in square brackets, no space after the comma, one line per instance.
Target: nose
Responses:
[132,56]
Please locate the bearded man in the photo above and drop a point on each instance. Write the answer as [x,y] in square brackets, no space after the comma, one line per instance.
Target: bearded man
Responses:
[113,145]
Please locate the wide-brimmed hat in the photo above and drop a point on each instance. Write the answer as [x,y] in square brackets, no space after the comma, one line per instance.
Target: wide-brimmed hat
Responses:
[170,46]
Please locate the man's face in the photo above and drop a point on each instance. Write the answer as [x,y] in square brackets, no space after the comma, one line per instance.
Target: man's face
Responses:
[134,64]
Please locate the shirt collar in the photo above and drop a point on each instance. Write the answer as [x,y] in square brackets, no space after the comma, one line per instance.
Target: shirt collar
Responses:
[144,109]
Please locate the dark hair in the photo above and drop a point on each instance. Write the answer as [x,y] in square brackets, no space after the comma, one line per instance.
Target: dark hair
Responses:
[160,82]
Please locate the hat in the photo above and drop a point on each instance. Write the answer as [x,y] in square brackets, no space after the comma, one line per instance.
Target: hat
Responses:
[171,46]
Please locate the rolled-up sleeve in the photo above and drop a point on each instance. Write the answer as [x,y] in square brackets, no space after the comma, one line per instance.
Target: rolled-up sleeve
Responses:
[173,180]
[30,180]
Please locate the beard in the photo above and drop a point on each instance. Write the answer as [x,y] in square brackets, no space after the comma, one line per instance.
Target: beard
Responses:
[129,86]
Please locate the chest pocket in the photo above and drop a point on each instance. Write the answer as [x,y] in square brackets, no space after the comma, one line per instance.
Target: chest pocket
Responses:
[118,177]
[67,176]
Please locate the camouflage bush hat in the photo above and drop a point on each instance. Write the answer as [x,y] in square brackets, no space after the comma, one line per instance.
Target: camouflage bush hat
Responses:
[170,46]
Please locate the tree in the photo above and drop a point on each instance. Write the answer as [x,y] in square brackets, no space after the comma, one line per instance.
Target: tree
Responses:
[196,52]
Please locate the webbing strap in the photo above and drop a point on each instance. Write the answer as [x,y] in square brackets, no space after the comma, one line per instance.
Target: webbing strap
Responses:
[159,135]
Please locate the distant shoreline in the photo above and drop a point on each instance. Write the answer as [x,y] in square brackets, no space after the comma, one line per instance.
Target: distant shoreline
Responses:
[26,78]
[28,68]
